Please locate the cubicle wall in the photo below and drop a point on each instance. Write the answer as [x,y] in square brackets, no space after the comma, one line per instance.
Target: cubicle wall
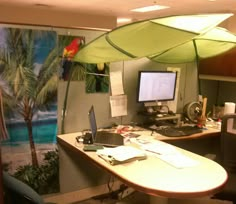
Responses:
[79,101]
[218,91]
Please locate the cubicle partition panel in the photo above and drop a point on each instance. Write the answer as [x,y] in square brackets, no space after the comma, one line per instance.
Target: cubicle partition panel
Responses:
[77,174]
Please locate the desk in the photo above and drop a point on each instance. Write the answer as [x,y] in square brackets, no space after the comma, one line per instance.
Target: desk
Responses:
[155,177]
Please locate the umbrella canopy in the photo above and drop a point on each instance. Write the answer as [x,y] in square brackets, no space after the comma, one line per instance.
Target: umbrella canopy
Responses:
[212,43]
[146,38]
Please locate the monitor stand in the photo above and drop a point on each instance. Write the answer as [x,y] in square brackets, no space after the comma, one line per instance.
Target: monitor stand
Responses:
[151,104]
[155,107]
[176,117]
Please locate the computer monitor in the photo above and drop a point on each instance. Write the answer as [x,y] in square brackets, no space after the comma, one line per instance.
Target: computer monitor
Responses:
[155,86]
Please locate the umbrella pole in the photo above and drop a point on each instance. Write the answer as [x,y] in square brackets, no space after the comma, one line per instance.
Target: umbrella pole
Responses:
[197,61]
[64,109]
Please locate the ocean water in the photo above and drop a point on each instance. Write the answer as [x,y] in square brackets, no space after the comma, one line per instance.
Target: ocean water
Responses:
[44,131]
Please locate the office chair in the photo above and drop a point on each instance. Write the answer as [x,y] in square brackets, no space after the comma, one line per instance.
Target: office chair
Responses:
[15,191]
[228,157]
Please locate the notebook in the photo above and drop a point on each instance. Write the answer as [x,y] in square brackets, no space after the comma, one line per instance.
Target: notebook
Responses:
[104,138]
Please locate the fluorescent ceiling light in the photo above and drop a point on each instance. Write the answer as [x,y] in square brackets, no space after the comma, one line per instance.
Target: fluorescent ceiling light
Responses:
[124,20]
[150,8]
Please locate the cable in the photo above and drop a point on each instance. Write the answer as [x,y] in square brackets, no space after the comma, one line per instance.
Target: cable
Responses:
[110,181]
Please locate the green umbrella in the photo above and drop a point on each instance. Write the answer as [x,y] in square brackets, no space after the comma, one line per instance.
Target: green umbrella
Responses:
[146,38]
[212,43]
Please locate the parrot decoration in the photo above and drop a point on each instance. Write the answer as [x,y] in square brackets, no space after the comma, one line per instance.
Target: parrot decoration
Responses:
[71,49]
[100,70]
[68,54]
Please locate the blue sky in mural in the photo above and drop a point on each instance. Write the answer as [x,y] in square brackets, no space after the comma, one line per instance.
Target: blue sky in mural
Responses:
[44,46]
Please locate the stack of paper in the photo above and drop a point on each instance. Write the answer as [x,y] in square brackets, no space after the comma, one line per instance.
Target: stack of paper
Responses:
[121,154]
[170,154]
[178,160]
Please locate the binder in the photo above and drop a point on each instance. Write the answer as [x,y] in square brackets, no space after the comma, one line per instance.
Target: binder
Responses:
[121,154]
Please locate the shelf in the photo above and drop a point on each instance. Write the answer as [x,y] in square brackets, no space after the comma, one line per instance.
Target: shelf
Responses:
[217,78]
[170,117]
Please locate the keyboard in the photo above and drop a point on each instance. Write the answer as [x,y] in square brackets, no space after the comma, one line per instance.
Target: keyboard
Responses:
[179,131]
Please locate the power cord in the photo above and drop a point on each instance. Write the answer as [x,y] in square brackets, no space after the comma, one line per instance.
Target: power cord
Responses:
[115,195]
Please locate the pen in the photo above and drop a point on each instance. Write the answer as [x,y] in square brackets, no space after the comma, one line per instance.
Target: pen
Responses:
[153,151]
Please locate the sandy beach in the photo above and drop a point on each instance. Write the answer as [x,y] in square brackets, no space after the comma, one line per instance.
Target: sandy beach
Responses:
[20,155]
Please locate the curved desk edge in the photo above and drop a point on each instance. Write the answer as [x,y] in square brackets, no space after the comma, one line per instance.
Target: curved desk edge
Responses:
[139,187]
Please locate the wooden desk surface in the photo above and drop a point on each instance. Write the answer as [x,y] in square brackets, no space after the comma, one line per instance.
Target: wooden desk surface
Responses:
[155,177]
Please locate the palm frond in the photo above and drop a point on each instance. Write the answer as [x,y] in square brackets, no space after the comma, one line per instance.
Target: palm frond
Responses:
[50,66]
[79,72]
[24,83]
[47,91]
[45,78]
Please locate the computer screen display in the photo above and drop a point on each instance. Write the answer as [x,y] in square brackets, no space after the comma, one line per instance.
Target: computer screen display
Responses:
[156,86]
[92,121]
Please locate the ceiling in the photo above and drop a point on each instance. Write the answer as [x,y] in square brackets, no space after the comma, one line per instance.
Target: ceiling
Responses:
[121,9]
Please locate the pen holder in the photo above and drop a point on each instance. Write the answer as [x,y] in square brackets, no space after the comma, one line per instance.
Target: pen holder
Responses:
[201,121]
[88,138]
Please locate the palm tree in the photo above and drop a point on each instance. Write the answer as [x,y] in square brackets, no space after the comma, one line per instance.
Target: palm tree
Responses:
[25,90]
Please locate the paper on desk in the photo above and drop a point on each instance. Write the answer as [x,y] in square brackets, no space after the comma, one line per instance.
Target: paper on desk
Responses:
[178,160]
[118,105]
[116,83]
[170,154]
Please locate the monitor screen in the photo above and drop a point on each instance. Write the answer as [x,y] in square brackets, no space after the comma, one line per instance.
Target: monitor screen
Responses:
[92,122]
[156,86]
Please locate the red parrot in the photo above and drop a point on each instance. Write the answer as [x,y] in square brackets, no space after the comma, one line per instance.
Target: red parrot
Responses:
[71,49]
[68,54]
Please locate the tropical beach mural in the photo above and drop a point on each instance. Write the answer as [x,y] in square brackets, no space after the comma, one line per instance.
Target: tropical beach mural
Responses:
[28,84]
